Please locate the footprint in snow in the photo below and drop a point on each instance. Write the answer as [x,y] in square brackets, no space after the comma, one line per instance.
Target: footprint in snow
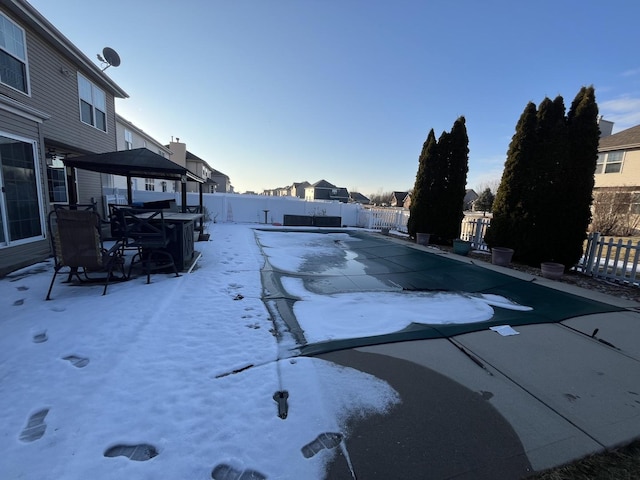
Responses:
[18,302]
[35,426]
[139,453]
[40,337]
[227,472]
[78,362]
[326,440]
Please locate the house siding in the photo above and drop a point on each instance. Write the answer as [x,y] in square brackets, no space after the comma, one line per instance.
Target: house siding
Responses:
[629,175]
[56,93]
[50,115]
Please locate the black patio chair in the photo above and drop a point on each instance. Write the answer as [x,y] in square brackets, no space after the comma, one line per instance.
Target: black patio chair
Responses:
[147,231]
[77,244]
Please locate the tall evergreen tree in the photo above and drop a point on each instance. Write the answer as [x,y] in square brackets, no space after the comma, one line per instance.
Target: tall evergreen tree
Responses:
[542,207]
[577,171]
[438,198]
[511,208]
[417,222]
[457,167]
[546,212]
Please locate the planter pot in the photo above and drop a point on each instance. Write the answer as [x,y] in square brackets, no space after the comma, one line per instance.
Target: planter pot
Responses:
[422,238]
[501,255]
[461,247]
[384,230]
[552,270]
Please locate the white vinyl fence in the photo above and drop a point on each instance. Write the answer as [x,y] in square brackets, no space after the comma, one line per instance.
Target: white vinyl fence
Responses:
[473,230]
[610,259]
[379,218]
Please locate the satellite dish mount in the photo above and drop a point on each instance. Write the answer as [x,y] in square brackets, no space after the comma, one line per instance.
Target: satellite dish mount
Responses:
[109,57]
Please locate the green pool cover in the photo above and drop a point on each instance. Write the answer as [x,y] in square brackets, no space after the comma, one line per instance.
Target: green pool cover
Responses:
[413,269]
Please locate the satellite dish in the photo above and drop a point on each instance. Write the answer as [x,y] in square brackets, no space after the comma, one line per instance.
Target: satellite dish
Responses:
[110,57]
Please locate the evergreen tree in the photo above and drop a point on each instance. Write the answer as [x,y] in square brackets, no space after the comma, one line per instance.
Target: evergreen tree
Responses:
[484,202]
[511,217]
[437,193]
[457,166]
[417,222]
[438,198]
[577,172]
[545,208]
[542,207]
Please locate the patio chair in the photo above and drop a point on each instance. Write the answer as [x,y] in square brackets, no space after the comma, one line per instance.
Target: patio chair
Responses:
[77,244]
[148,232]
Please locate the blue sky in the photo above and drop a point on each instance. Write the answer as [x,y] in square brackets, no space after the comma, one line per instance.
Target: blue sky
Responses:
[272,92]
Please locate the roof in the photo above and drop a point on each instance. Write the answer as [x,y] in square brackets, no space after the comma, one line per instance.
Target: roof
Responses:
[139,162]
[624,140]
[400,197]
[56,39]
[323,184]
[358,197]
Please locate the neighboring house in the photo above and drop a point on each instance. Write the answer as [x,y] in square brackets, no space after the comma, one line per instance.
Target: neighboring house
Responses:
[128,137]
[323,190]
[470,196]
[295,190]
[54,103]
[356,197]
[298,189]
[400,199]
[618,167]
[215,181]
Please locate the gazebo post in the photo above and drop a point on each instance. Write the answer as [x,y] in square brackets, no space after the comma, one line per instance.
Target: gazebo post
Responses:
[183,182]
[129,190]
[201,210]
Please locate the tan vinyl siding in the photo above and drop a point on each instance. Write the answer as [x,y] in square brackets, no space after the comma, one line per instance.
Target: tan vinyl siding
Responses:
[54,90]
[23,255]
[629,175]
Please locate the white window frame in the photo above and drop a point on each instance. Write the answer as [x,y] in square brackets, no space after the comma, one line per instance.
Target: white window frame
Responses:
[606,164]
[128,140]
[4,218]
[16,48]
[149,184]
[95,98]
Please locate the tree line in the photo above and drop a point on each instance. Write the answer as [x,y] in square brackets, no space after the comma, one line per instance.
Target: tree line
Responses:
[542,208]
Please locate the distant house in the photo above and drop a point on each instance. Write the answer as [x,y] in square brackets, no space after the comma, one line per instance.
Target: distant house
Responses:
[356,197]
[323,190]
[128,137]
[400,199]
[297,189]
[470,196]
[618,169]
[55,103]
[215,181]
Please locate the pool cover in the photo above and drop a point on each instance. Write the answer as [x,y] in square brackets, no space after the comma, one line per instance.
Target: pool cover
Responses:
[406,267]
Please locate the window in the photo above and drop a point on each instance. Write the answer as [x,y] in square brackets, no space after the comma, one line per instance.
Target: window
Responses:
[149,184]
[57,181]
[93,104]
[20,211]
[128,140]
[610,162]
[13,55]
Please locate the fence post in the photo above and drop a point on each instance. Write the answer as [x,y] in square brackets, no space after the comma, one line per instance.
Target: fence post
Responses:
[591,252]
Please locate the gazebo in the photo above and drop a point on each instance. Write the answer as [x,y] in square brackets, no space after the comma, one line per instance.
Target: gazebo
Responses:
[139,162]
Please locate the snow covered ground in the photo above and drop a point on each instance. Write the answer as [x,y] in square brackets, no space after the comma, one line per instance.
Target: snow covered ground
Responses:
[177,379]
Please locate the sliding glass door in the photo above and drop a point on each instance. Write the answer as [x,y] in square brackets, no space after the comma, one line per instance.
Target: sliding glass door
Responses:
[20,205]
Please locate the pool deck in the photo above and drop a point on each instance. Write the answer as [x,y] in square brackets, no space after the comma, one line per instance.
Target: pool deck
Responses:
[480,405]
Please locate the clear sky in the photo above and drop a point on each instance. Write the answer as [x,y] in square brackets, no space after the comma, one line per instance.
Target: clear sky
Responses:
[282,91]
